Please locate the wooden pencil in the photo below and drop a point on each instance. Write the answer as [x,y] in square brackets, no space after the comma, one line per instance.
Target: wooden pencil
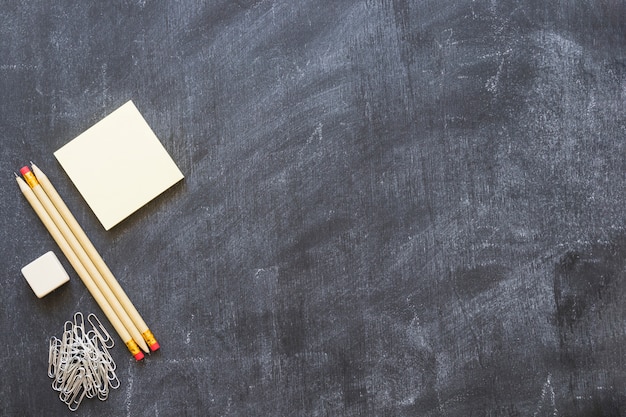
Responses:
[58,237]
[95,257]
[75,246]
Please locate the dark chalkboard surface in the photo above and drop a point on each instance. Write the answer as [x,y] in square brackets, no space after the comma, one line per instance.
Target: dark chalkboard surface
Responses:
[391,208]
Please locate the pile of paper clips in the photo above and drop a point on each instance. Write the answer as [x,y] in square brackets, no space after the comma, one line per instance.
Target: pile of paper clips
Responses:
[79,362]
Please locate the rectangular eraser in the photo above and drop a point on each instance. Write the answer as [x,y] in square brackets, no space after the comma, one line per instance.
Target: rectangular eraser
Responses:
[45,274]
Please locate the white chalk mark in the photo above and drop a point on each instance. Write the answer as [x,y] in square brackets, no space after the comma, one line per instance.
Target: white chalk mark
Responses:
[188,338]
[129,388]
[316,133]
[260,272]
[410,400]
[492,83]
[197,360]
[546,390]
[17,67]
[309,150]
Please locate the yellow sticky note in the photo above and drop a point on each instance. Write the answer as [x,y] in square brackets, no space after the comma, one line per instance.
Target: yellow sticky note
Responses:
[118,165]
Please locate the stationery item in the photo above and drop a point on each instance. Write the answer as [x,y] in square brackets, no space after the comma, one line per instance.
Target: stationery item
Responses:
[95,257]
[45,218]
[82,256]
[79,362]
[45,274]
[98,160]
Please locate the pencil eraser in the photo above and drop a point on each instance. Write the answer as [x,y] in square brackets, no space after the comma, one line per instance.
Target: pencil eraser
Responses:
[139,356]
[24,170]
[154,347]
[45,274]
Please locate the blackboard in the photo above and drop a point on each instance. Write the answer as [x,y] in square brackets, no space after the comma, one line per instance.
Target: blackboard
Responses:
[390,208]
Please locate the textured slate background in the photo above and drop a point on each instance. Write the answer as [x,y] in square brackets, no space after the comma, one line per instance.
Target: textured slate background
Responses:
[391,208]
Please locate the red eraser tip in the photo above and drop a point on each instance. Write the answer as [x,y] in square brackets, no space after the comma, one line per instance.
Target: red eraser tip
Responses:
[139,356]
[155,346]
[24,170]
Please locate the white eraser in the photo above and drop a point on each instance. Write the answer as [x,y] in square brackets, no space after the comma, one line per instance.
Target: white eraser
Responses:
[45,274]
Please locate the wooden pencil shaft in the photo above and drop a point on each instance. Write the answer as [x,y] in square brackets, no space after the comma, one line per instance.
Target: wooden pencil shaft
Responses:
[90,249]
[74,261]
[89,266]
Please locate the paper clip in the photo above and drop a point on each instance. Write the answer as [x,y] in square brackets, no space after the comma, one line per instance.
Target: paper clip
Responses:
[80,364]
[78,393]
[105,340]
[53,356]
[114,382]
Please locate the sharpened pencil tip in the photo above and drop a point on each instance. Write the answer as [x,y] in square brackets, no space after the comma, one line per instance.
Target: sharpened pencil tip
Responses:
[15,173]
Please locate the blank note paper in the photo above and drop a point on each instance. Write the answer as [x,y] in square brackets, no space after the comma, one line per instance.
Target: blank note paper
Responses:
[118,165]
